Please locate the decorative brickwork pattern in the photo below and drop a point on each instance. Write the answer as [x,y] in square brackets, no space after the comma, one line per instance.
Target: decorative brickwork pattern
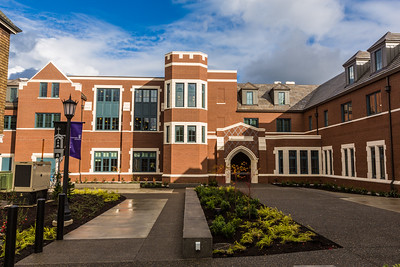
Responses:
[241,131]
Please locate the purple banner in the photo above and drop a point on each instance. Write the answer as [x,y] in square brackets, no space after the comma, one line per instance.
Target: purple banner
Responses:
[76,139]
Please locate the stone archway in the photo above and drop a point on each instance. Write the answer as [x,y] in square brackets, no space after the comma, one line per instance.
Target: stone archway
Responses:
[253,165]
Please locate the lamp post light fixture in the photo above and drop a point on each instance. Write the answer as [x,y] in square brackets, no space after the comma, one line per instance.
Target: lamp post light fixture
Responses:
[69,112]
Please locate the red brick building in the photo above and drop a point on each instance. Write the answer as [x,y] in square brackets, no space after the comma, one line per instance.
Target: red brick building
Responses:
[6,29]
[193,124]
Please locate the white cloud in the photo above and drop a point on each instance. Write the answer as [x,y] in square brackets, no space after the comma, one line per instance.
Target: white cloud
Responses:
[306,41]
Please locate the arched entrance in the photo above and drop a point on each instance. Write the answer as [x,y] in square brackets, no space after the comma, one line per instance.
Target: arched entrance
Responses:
[238,155]
[240,168]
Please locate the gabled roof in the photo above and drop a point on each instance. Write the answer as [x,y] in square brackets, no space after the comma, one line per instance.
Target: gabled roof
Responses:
[249,86]
[337,85]
[389,36]
[16,82]
[280,86]
[363,55]
[6,22]
[50,72]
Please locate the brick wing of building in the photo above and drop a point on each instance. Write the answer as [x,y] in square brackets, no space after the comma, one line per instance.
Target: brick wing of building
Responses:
[193,124]
[6,29]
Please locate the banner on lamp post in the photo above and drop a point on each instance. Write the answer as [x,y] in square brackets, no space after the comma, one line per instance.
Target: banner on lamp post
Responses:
[76,139]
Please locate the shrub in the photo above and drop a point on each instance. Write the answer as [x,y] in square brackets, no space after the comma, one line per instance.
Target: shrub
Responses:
[217,225]
[106,195]
[228,230]
[225,206]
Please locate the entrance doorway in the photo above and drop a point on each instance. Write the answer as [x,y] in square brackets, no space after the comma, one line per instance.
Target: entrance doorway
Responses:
[241,168]
[237,156]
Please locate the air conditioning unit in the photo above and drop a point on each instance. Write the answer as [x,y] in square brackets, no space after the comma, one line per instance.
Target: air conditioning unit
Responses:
[31,176]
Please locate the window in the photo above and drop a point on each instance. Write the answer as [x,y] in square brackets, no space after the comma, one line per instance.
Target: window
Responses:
[107,109]
[292,162]
[303,161]
[191,134]
[6,163]
[310,123]
[251,121]
[376,159]
[12,94]
[373,161]
[106,161]
[326,122]
[249,98]
[327,161]
[55,90]
[378,59]
[280,161]
[374,103]
[382,161]
[146,109]
[351,150]
[144,161]
[179,94]
[43,90]
[203,134]
[350,74]
[346,163]
[46,120]
[348,160]
[191,95]
[281,98]
[167,134]
[314,162]
[168,95]
[179,134]
[283,125]
[10,122]
[203,96]
[347,113]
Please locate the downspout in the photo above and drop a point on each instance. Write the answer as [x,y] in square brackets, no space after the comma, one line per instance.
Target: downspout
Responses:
[388,90]
[316,117]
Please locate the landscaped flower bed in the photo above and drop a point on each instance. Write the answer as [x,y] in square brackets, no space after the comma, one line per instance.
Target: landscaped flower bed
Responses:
[84,205]
[242,226]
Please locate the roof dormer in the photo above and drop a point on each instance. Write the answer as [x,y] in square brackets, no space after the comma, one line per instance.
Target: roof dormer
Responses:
[356,66]
[384,51]
[280,93]
[249,94]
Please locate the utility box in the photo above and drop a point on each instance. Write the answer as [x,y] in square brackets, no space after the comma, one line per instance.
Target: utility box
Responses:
[31,176]
[6,179]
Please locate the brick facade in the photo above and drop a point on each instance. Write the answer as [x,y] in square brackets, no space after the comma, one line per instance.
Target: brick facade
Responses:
[196,127]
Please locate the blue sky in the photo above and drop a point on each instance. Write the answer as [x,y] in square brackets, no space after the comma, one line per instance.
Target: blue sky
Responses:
[304,41]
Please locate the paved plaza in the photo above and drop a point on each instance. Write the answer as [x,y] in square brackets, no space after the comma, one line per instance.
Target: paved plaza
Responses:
[146,230]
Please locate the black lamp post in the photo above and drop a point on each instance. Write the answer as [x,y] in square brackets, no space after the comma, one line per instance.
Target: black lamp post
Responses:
[69,112]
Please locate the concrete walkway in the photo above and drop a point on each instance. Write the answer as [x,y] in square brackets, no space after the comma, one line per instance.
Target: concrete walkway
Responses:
[370,235]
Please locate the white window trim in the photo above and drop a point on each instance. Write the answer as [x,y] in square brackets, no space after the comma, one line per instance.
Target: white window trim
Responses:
[376,144]
[348,146]
[94,89]
[185,125]
[157,150]
[6,155]
[137,87]
[286,160]
[198,83]
[329,160]
[101,149]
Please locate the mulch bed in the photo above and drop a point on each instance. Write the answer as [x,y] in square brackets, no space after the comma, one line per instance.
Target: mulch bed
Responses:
[51,208]
[318,242]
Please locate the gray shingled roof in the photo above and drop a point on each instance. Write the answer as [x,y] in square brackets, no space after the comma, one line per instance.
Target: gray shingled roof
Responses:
[389,36]
[359,55]
[299,96]
[337,85]
[8,23]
